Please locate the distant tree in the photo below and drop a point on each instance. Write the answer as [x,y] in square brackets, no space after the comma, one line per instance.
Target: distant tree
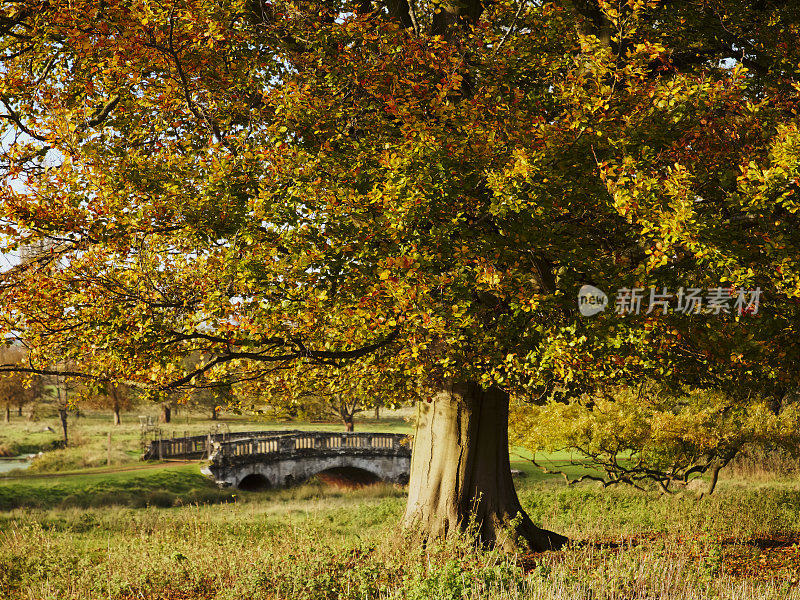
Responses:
[340,393]
[17,389]
[211,397]
[12,387]
[338,406]
[112,396]
[61,389]
[166,412]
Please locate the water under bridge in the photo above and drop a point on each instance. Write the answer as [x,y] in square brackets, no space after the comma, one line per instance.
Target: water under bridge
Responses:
[261,459]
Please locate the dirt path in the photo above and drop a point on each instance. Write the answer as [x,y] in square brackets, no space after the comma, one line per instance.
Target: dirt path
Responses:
[160,465]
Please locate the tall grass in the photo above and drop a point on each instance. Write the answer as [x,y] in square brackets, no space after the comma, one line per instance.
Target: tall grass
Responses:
[758,464]
[318,543]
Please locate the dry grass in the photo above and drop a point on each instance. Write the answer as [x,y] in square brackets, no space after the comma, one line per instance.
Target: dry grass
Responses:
[317,543]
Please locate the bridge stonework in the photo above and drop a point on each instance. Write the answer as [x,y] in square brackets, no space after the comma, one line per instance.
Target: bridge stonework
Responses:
[277,460]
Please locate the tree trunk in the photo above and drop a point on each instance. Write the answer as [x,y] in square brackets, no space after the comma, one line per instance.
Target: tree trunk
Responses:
[460,470]
[115,397]
[19,410]
[8,413]
[712,484]
[213,413]
[62,413]
[719,464]
[166,414]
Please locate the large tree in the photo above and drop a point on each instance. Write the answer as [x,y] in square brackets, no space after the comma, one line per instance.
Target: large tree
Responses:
[412,190]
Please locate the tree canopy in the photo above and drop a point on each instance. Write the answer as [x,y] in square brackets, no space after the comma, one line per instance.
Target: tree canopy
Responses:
[262,183]
[414,190]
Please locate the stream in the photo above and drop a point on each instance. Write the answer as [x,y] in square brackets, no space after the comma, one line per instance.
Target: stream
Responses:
[15,462]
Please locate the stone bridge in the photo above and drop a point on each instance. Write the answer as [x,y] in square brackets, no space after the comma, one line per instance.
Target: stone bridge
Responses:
[279,459]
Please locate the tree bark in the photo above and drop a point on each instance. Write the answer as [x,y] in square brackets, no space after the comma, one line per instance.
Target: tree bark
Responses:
[8,413]
[19,410]
[166,414]
[117,419]
[213,413]
[460,470]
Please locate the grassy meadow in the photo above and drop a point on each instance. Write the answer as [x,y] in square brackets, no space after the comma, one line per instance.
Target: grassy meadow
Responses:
[162,531]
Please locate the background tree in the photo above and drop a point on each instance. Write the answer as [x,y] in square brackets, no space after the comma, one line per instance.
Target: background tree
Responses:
[341,407]
[340,392]
[64,392]
[12,388]
[17,389]
[212,398]
[112,396]
[417,190]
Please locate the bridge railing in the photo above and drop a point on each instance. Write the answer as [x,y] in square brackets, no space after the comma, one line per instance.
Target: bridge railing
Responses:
[302,443]
[197,446]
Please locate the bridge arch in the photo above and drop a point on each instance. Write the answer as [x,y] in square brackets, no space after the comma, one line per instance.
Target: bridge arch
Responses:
[254,482]
[348,476]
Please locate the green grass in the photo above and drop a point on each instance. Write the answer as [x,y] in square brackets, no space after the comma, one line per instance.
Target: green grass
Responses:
[314,542]
[164,486]
[165,532]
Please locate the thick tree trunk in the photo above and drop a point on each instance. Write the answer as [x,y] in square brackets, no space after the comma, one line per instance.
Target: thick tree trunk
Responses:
[460,470]
[117,419]
[62,413]
[166,414]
